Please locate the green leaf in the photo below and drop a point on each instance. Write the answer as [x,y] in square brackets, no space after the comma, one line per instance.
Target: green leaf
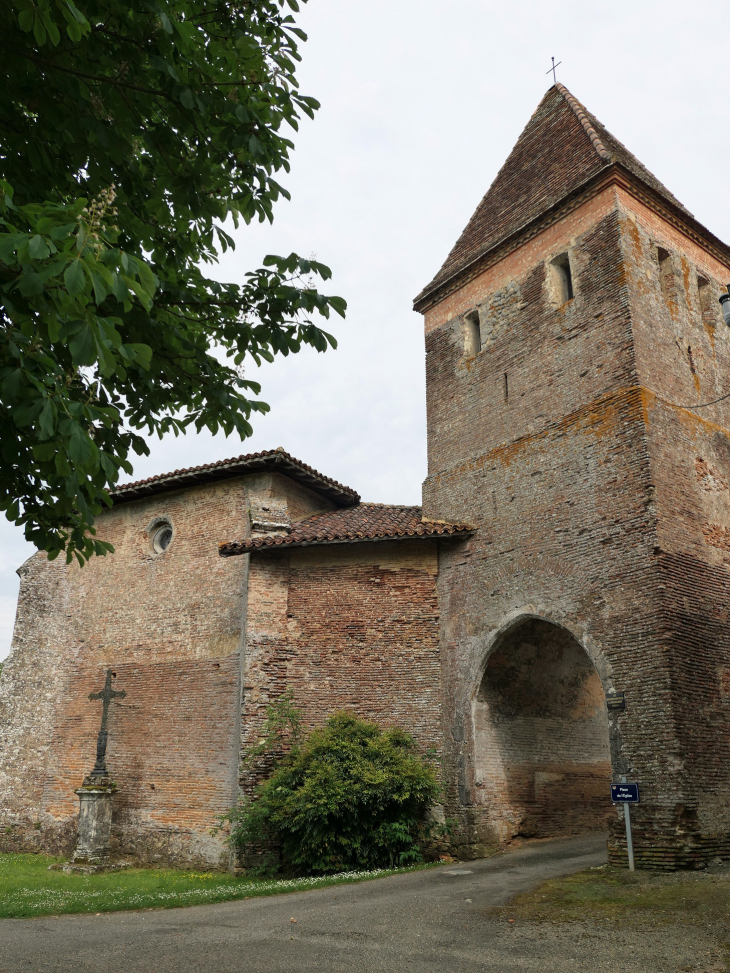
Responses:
[120,289]
[52,30]
[146,277]
[31,285]
[110,333]
[139,290]
[39,31]
[38,248]
[61,232]
[142,354]
[100,289]
[47,420]
[83,347]
[107,464]
[81,449]
[74,278]
[45,452]
[26,414]
[77,15]
[338,304]
[12,384]
[63,467]
[55,327]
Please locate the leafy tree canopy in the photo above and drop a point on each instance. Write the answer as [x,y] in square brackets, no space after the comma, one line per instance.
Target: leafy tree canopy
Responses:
[130,132]
[350,795]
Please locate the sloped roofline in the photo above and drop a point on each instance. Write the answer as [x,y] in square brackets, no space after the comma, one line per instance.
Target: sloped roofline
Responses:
[267,461]
[365,522]
[612,172]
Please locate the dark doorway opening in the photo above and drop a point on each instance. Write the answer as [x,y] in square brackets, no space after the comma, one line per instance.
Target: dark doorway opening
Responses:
[542,761]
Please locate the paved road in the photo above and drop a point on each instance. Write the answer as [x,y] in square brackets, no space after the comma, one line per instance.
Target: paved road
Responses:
[426,921]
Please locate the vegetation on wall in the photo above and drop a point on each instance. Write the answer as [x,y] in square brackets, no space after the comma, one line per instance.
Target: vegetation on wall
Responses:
[133,134]
[349,795]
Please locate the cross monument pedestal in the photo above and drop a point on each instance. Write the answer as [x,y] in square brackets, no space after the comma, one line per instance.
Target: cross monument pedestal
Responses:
[95,794]
[95,822]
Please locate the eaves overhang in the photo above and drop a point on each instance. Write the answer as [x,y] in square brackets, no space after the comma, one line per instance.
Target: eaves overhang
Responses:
[268,461]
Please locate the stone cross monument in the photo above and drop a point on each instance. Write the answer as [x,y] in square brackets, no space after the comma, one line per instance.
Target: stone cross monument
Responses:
[95,794]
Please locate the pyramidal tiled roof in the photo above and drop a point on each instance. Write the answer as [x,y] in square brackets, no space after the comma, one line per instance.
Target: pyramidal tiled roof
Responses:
[562,147]
[365,522]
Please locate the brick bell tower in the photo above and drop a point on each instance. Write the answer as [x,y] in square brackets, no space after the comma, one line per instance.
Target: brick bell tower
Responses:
[577,363]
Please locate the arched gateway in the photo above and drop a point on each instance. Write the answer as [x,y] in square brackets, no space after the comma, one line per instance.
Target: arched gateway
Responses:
[541,749]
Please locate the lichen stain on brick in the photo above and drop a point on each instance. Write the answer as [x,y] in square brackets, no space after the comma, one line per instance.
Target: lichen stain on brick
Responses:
[686,271]
[631,230]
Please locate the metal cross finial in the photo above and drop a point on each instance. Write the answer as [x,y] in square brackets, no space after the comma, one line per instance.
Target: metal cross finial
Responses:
[106,695]
[553,69]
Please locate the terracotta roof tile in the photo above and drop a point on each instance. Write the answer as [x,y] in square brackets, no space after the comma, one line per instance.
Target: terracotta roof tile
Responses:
[562,147]
[271,461]
[365,522]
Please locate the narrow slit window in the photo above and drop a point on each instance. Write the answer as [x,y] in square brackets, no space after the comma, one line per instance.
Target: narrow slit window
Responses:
[666,273]
[472,334]
[707,302]
[563,277]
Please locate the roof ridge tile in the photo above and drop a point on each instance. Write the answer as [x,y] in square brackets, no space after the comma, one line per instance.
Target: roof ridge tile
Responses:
[580,113]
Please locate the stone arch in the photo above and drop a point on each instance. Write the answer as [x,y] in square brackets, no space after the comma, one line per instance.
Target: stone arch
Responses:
[542,762]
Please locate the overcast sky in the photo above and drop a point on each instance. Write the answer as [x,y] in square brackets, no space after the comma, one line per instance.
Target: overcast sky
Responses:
[422,100]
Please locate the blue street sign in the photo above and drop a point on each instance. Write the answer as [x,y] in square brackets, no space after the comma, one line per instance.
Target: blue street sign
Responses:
[625,793]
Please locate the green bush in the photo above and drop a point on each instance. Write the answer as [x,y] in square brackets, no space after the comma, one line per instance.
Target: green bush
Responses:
[350,796]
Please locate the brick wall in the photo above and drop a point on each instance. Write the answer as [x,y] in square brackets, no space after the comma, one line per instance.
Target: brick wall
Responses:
[683,359]
[351,626]
[170,626]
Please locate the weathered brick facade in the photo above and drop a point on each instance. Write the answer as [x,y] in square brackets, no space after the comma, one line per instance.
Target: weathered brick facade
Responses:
[599,492]
[169,626]
[574,540]
[202,643]
[350,627]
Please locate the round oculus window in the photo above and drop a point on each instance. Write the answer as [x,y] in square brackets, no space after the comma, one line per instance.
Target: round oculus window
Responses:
[161,538]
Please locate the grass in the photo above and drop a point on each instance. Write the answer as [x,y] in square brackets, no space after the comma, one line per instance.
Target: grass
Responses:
[617,895]
[27,888]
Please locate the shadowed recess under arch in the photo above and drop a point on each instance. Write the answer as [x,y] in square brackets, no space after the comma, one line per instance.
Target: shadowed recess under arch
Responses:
[542,763]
